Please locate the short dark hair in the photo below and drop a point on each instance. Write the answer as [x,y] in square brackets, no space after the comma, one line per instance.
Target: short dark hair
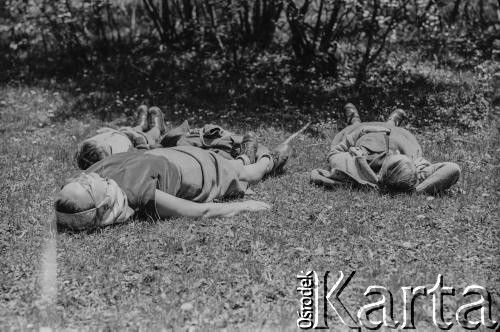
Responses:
[88,154]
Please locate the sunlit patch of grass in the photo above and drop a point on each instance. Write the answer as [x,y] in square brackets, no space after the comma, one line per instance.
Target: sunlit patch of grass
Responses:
[236,272]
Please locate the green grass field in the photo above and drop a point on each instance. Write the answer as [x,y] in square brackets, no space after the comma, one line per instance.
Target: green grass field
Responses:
[235,273]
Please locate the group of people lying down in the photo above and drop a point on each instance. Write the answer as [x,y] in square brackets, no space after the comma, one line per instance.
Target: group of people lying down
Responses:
[154,173]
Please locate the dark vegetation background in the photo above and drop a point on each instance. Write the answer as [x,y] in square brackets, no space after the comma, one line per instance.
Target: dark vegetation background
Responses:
[274,61]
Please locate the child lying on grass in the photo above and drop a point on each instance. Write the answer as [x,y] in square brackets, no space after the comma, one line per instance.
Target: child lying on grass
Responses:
[150,133]
[165,182]
[110,141]
[383,155]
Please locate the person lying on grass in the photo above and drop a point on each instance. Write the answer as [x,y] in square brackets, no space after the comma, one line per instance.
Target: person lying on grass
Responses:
[150,133]
[165,182]
[108,141]
[385,156]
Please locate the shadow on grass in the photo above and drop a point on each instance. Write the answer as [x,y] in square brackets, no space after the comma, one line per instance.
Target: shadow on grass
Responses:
[99,229]
[261,89]
[354,187]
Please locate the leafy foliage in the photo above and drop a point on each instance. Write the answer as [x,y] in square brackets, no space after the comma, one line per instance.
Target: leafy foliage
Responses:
[332,38]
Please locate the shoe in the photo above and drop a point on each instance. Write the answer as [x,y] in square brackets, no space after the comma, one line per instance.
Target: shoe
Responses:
[279,156]
[262,151]
[142,110]
[282,152]
[249,147]
[156,119]
[351,114]
[397,116]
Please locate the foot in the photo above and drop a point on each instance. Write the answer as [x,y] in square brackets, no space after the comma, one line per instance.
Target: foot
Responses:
[397,116]
[249,146]
[351,114]
[142,111]
[262,151]
[156,119]
[279,157]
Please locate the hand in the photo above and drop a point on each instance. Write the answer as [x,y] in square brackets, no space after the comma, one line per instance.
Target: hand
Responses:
[254,206]
[421,163]
[357,152]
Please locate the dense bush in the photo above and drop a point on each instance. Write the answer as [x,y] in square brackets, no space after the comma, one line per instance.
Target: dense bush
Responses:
[326,36]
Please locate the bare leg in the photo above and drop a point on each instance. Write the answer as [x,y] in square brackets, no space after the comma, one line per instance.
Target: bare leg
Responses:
[355,120]
[396,117]
[391,123]
[253,173]
[153,134]
[137,129]
[351,114]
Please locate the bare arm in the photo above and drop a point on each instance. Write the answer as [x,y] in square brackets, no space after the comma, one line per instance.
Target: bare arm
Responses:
[170,206]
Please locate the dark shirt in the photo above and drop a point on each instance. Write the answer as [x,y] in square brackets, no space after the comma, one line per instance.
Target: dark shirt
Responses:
[139,175]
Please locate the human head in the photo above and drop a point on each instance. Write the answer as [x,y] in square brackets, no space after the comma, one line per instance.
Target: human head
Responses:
[90,152]
[88,200]
[398,173]
[107,142]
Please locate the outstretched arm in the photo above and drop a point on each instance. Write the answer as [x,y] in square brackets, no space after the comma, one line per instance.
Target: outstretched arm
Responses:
[170,206]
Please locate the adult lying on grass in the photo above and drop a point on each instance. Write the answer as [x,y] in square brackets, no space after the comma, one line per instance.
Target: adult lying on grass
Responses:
[383,155]
[165,182]
[150,133]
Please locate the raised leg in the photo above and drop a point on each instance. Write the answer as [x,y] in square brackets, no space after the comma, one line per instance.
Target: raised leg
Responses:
[156,119]
[396,117]
[351,114]
[249,147]
[142,122]
[153,134]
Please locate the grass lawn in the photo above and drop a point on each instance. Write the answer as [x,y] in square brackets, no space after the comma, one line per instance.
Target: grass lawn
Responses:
[238,272]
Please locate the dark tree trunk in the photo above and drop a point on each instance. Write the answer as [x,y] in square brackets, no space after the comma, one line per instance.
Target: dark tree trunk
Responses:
[455,11]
